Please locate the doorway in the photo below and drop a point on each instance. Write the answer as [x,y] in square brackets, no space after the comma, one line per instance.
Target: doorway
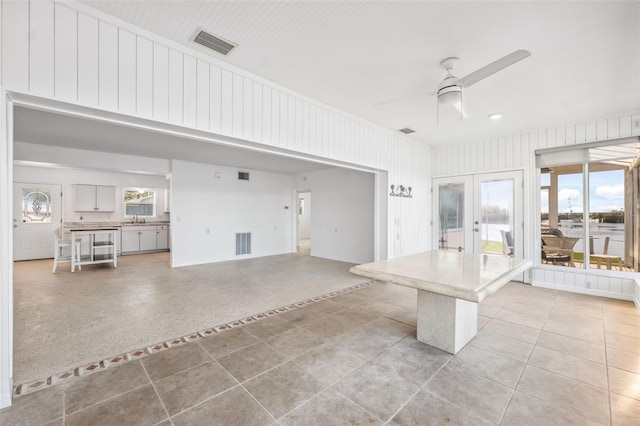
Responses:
[480,213]
[37,210]
[304,223]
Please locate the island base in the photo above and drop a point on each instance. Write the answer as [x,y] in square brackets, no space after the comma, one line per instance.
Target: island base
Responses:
[444,322]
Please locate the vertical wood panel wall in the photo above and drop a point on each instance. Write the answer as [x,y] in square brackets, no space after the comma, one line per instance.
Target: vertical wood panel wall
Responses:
[69,52]
[518,152]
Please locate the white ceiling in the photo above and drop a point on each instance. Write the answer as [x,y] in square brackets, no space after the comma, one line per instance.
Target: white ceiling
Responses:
[352,55]
[46,128]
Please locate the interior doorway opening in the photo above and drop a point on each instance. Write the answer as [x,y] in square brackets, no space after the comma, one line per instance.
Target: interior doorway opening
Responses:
[303,245]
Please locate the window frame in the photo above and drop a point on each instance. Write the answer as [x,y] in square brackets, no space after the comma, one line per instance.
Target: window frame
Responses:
[146,190]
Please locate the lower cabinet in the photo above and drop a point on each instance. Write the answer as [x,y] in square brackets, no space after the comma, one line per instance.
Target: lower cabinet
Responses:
[144,238]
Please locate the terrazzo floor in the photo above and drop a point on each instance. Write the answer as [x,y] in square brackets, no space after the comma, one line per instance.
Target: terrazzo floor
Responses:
[541,357]
[66,320]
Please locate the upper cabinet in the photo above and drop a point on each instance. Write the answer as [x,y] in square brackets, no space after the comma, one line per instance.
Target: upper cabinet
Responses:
[95,198]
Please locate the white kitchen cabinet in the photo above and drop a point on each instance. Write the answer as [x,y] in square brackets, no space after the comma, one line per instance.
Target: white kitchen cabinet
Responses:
[145,238]
[162,237]
[148,239]
[167,200]
[95,198]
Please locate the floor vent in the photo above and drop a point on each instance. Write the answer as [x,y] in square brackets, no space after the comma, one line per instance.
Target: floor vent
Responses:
[213,42]
[243,243]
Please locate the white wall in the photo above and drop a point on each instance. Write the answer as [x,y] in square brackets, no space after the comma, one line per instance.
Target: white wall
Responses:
[518,152]
[304,219]
[68,178]
[342,220]
[209,205]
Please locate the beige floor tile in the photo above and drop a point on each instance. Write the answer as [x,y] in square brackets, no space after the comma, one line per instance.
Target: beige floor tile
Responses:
[624,411]
[185,389]
[489,365]
[228,341]
[330,408]
[251,361]
[427,409]
[269,327]
[624,382]
[330,326]
[495,301]
[581,369]
[330,362]
[514,331]
[623,360]
[629,344]
[234,407]
[413,360]
[487,310]
[560,391]
[522,318]
[569,345]
[405,316]
[364,343]
[35,408]
[620,306]
[526,307]
[363,387]
[173,360]
[389,328]
[284,388]
[525,410]
[576,329]
[87,390]
[502,345]
[356,316]
[567,309]
[377,307]
[622,318]
[480,396]
[624,329]
[294,342]
[482,321]
[140,406]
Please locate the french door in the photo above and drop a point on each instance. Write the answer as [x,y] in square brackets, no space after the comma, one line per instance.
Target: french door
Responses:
[36,213]
[479,213]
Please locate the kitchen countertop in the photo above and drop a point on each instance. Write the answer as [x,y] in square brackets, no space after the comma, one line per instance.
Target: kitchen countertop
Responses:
[114,224]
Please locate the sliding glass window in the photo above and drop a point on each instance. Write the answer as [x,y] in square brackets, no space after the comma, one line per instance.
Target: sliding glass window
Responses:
[596,227]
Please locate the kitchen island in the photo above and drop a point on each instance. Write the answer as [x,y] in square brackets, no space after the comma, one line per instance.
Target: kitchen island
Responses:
[100,251]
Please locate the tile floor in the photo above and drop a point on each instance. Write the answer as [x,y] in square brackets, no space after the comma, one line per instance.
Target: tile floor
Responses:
[542,357]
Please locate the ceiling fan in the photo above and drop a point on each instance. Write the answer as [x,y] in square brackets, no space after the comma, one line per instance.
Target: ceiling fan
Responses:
[450,89]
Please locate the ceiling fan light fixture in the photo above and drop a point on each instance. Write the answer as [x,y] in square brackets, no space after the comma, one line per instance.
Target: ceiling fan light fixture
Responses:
[450,95]
[495,116]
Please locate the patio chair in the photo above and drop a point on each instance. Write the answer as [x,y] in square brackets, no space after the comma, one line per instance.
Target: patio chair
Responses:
[507,243]
[558,249]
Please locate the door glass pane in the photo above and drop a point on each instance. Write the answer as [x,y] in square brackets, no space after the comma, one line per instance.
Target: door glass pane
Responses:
[451,202]
[496,217]
[36,205]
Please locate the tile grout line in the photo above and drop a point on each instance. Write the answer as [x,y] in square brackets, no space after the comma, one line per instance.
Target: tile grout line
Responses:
[156,392]
[606,366]
[122,358]
[107,399]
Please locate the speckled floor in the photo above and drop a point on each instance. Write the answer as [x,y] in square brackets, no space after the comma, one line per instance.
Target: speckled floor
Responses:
[65,320]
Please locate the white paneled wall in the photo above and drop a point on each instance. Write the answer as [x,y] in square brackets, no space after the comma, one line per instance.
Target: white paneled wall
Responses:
[70,52]
[518,152]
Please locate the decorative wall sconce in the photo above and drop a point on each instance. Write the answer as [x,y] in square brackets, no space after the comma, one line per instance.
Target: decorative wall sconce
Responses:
[400,191]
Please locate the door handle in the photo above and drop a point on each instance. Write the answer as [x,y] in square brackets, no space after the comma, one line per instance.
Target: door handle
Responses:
[15,225]
[476,229]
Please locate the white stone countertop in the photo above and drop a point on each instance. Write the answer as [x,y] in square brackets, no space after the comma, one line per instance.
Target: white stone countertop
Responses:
[465,276]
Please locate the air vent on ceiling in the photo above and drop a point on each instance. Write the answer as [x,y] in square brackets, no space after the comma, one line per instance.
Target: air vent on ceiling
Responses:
[213,42]
[406,130]
[243,175]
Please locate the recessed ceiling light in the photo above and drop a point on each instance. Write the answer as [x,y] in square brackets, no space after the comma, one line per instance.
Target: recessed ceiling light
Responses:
[495,116]
[407,130]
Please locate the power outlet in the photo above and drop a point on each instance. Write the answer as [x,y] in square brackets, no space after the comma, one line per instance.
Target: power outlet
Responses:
[636,124]
[588,284]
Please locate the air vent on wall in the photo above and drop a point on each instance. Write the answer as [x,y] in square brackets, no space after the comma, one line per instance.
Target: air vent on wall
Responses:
[243,175]
[243,243]
[406,130]
[213,42]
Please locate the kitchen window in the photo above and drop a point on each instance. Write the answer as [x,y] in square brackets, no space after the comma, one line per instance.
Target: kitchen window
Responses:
[139,202]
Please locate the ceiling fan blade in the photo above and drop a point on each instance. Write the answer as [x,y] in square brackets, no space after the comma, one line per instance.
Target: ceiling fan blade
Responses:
[460,107]
[493,68]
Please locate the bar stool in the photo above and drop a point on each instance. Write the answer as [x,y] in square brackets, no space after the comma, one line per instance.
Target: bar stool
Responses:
[59,245]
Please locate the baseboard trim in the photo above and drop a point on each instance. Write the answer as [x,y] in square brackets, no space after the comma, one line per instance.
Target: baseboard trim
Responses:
[588,291]
[5,399]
